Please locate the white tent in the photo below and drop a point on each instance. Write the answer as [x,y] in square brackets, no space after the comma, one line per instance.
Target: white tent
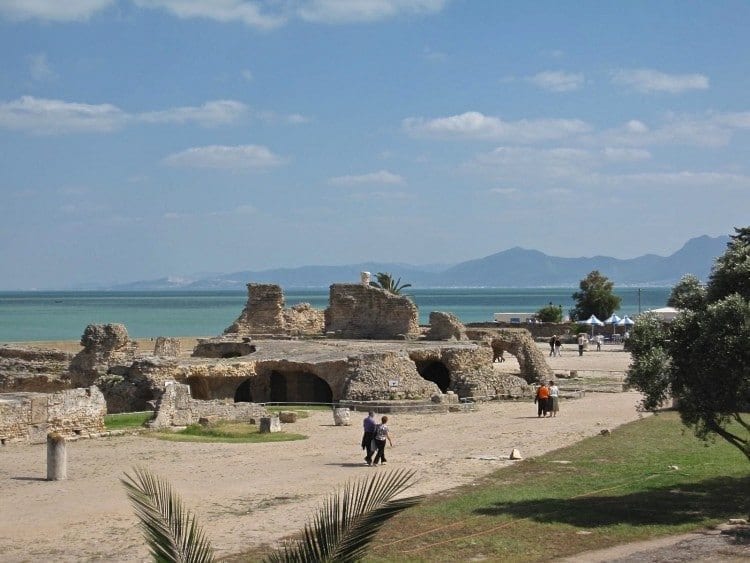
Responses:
[613,320]
[592,320]
[666,314]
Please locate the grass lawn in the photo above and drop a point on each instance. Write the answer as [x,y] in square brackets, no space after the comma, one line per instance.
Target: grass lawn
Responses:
[600,492]
[228,432]
[126,420]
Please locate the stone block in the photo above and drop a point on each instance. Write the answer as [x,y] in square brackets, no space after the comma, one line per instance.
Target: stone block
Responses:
[287,417]
[342,417]
[269,424]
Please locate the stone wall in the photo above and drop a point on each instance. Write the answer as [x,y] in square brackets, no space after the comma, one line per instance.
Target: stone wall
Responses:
[264,313]
[104,346]
[519,343]
[445,326]
[361,311]
[29,417]
[176,407]
[167,347]
[36,370]
[385,376]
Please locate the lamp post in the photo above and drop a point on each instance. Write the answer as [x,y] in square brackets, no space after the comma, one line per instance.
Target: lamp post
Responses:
[639,300]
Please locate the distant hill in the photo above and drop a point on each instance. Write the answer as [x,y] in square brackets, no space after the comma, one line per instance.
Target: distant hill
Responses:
[515,267]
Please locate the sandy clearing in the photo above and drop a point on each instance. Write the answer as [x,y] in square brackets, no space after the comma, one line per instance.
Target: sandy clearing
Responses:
[249,494]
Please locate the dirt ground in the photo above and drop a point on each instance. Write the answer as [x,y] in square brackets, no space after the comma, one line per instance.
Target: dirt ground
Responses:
[251,494]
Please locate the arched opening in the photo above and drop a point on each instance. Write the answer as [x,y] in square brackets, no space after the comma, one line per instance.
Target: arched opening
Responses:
[299,387]
[243,394]
[199,388]
[435,371]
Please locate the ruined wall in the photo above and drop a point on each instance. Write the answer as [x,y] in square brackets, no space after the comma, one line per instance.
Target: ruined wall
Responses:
[29,417]
[176,407]
[36,370]
[167,347]
[135,387]
[264,313]
[517,341]
[227,346]
[361,311]
[104,346]
[445,326]
[385,376]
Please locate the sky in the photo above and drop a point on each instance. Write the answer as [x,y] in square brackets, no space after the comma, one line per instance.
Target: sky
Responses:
[142,139]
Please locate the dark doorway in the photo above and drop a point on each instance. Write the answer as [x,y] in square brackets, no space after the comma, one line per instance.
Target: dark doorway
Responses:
[199,388]
[243,393]
[299,387]
[435,371]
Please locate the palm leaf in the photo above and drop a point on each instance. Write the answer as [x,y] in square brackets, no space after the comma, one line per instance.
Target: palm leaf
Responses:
[172,531]
[349,519]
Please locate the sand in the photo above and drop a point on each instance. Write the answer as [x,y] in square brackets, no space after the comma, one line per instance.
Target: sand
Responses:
[251,494]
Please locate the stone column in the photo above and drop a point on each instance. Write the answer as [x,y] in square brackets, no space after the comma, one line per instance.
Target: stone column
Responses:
[364,277]
[341,417]
[269,424]
[57,457]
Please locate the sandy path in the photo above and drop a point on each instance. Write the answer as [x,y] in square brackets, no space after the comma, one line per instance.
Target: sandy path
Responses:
[248,494]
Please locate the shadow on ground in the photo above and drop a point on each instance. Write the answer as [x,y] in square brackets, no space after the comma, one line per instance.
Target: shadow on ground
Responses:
[714,498]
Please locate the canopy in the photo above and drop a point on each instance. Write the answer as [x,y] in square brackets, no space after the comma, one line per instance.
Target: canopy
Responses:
[613,320]
[665,313]
[592,320]
[625,321]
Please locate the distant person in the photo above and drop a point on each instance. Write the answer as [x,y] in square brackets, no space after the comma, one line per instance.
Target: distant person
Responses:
[381,435]
[542,400]
[581,343]
[558,346]
[552,345]
[368,424]
[599,339]
[554,398]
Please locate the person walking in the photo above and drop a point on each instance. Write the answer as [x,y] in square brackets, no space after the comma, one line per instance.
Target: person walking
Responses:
[381,435]
[552,345]
[368,425]
[558,346]
[542,400]
[581,343]
[554,398]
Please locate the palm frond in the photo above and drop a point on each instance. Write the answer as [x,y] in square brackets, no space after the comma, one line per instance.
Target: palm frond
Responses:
[172,530]
[349,519]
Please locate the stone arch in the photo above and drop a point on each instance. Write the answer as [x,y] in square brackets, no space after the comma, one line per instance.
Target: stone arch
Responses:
[199,388]
[520,344]
[298,386]
[436,372]
[244,393]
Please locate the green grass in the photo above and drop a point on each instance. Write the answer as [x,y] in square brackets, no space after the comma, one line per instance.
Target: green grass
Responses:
[302,411]
[227,432]
[126,420]
[615,489]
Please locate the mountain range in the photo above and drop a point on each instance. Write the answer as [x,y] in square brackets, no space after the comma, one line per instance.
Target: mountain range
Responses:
[515,267]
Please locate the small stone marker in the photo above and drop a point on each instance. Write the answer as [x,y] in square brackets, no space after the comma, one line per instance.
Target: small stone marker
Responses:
[341,417]
[605,432]
[515,454]
[269,424]
[57,457]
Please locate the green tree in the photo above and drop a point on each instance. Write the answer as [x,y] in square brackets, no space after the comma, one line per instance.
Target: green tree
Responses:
[702,358]
[594,297]
[689,293]
[341,531]
[550,313]
[386,281]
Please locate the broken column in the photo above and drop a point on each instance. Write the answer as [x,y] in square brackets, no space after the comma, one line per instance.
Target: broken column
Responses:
[57,457]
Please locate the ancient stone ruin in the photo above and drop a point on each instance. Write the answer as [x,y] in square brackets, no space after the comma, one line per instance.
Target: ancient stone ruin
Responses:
[518,342]
[104,346]
[264,314]
[445,326]
[364,311]
[25,369]
[29,417]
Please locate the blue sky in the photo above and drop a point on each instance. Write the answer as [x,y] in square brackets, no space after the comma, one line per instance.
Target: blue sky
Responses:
[150,138]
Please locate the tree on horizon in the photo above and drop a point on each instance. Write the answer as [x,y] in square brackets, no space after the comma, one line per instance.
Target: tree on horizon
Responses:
[595,297]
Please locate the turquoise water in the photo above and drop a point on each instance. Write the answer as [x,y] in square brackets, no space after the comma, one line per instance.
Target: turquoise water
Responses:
[59,315]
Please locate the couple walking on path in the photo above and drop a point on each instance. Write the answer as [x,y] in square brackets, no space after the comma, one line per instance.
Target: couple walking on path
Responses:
[547,399]
[374,438]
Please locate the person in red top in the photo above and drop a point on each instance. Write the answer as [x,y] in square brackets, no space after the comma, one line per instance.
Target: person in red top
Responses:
[542,400]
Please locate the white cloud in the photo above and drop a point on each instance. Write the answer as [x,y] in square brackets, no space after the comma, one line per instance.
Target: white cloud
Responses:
[708,131]
[248,13]
[557,80]
[380,177]
[52,10]
[39,68]
[516,163]
[247,74]
[43,116]
[380,196]
[649,80]
[504,191]
[239,157]
[474,125]
[617,154]
[348,11]
[685,179]
[218,112]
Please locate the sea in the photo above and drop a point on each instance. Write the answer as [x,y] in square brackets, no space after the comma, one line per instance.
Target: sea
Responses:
[63,315]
